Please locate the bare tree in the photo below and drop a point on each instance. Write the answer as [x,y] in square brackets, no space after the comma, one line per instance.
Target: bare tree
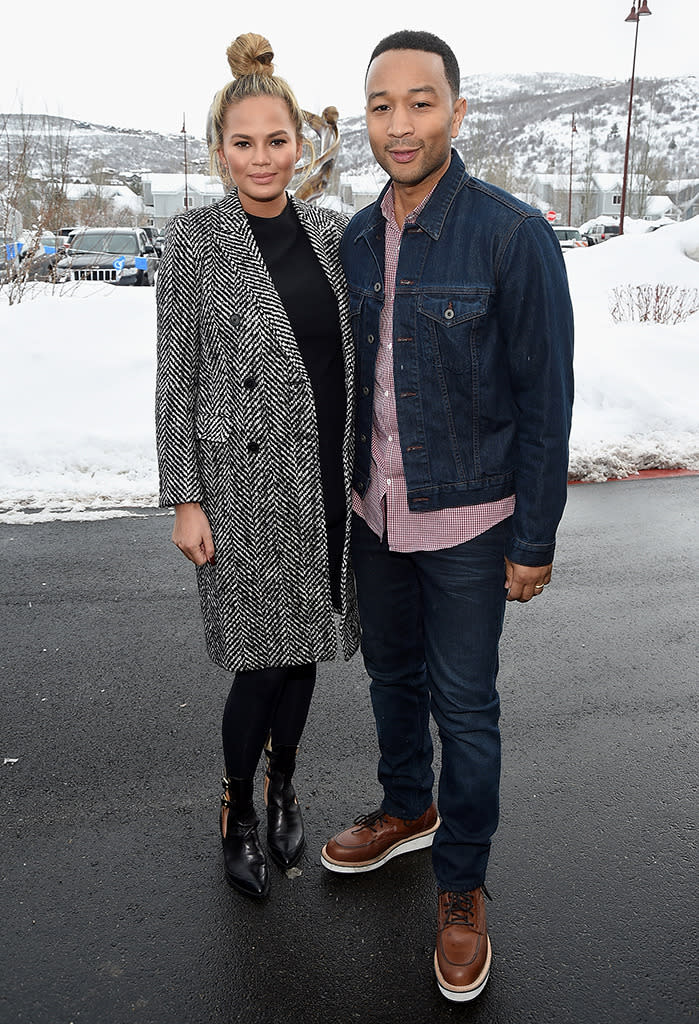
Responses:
[34,168]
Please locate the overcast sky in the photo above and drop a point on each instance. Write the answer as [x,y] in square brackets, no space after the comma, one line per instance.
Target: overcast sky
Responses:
[142,65]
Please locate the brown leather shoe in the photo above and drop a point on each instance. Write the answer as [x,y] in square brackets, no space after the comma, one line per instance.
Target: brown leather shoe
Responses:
[376,838]
[463,954]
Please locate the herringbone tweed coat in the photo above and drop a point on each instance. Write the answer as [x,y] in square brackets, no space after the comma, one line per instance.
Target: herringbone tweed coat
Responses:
[236,431]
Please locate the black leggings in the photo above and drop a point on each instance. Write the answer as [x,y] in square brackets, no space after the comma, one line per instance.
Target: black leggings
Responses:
[267,701]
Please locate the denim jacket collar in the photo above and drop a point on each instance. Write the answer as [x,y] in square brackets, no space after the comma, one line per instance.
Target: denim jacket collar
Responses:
[432,218]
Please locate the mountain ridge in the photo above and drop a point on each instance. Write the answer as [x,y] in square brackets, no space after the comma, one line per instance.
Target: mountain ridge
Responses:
[517,125]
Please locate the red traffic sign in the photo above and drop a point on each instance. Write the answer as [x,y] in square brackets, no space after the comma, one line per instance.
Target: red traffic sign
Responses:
[551,216]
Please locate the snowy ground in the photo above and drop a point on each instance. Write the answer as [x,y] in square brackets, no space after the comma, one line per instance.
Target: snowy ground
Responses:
[76,393]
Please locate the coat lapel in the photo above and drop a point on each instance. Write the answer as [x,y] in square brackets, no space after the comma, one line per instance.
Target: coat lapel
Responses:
[240,261]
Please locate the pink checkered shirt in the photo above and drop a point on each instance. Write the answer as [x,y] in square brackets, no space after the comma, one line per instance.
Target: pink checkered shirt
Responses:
[385,504]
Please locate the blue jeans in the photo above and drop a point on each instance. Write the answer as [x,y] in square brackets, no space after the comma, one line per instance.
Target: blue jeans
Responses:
[431,623]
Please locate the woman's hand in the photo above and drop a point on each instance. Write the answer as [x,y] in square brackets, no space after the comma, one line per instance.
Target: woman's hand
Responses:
[192,533]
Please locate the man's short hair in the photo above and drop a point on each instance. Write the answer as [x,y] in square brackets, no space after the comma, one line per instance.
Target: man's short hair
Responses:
[407,39]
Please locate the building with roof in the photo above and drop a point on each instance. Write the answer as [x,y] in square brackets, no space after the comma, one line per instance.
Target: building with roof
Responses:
[164,195]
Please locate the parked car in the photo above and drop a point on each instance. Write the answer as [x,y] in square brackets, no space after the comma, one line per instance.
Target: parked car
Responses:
[38,257]
[9,257]
[155,238]
[118,255]
[601,232]
[569,237]
[63,236]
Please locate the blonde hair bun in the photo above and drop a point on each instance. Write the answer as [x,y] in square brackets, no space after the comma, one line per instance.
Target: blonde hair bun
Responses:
[250,54]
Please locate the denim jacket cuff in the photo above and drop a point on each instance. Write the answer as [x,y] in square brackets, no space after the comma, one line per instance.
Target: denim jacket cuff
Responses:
[529,554]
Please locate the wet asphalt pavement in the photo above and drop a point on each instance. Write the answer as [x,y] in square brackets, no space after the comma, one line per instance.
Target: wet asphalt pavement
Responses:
[113,907]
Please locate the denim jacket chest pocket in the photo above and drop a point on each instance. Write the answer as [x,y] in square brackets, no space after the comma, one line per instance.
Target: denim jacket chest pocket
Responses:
[453,323]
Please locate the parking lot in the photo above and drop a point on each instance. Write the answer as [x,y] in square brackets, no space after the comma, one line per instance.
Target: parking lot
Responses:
[113,902]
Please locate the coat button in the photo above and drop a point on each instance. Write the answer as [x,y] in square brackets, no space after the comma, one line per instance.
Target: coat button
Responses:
[365,390]
[253,447]
[250,383]
[234,319]
[377,286]
[370,339]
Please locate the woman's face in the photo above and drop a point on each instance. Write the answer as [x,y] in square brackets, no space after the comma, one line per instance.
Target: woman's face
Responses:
[261,149]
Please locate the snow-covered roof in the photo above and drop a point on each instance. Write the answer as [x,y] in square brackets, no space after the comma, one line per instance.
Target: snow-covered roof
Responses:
[560,182]
[678,184]
[369,183]
[168,184]
[608,182]
[658,206]
[120,195]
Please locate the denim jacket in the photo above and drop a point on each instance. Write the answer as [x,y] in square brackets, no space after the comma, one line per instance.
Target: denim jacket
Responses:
[482,354]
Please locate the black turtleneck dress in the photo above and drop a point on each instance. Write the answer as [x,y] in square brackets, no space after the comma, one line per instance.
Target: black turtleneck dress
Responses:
[311,307]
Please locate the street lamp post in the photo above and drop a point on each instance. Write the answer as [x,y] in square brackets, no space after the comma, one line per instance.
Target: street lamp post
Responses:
[184,139]
[573,132]
[634,15]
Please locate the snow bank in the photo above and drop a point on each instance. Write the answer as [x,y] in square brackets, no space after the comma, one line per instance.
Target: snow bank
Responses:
[76,394]
[76,399]
[635,384]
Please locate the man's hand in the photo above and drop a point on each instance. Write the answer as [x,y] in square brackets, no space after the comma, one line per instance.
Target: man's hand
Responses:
[523,582]
[192,533]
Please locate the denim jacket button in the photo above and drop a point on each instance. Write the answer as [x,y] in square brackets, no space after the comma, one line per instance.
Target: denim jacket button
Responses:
[370,339]
[365,390]
[362,437]
[448,314]
[377,286]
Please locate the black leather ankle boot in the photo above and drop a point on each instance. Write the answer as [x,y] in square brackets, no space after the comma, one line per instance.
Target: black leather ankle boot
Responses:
[243,857]
[285,838]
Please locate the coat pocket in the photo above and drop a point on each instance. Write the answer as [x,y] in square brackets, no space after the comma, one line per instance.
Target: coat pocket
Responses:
[451,322]
[213,427]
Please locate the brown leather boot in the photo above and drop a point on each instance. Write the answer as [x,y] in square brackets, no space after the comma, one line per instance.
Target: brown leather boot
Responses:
[376,838]
[463,954]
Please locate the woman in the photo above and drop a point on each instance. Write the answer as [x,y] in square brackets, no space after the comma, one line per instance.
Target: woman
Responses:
[254,430]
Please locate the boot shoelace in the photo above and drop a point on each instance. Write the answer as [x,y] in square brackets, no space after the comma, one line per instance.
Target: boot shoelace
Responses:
[377,817]
[460,907]
[369,820]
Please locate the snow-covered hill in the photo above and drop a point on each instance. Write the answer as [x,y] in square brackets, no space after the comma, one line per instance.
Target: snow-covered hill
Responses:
[516,125]
[523,123]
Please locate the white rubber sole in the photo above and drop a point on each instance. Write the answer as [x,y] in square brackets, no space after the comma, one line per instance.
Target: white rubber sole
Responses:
[407,846]
[462,995]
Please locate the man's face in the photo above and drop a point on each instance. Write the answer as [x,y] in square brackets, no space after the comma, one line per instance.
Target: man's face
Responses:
[411,115]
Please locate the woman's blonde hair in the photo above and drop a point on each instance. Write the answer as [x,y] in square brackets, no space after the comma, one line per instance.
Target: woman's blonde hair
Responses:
[250,59]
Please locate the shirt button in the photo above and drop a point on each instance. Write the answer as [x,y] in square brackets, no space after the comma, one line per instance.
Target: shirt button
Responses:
[253,447]
[386,394]
[377,286]
[388,482]
[390,437]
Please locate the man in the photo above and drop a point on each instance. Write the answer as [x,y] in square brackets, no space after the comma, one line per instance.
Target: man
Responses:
[463,327]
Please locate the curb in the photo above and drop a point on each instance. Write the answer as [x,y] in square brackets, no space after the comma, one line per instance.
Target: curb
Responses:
[643,474]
